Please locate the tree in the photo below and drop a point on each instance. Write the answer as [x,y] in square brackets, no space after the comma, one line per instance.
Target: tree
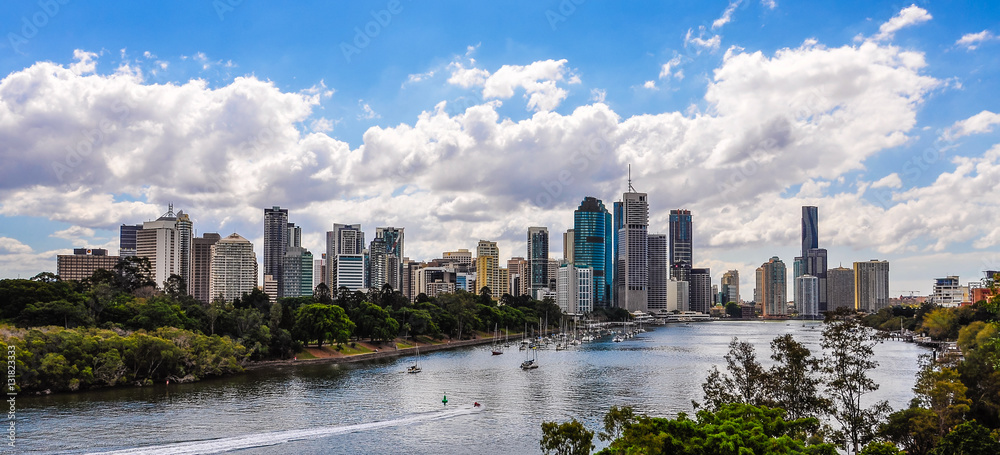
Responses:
[46,277]
[939,389]
[322,294]
[794,385]
[615,420]
[969,438]
[880,448]
[732,429]
[134,272]
[734,310]
[374,322]
[323,322]
[850,353]
[742,384]
[175,286]
[914,429]
[939,323]
[567,438]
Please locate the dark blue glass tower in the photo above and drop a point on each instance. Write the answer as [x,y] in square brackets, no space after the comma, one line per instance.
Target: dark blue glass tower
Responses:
[681,239]
[592,245]
[810,228]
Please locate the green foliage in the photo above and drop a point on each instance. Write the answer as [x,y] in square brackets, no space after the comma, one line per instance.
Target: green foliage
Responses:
[615,420]
[915,429]
[321,323]
[567,438]
[794,382]
[969,438]
[374,322]
[939,389]
[743,382]
[880,448]
[60,359]
[732,429]
[849,357]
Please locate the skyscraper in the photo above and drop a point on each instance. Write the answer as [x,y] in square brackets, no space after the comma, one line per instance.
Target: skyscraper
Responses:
[700,290]
[807,297]
[771,293]
[297,266]
[840,288]
[518,276]
[393,245]
[488,268]
[185,234]
[377,264]
[345,239]
[681,240]
[574,289]
[126,239]
[275,242]
[538,258]
[658,275]
[294,237]
[593,246]
[871,285]
[730,286]
[810,228]
[678,295]
[160,241]
[201,266]
[632,270]
[234,268]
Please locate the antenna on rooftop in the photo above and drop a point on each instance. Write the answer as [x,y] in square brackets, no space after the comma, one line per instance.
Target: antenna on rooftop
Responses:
[630,188]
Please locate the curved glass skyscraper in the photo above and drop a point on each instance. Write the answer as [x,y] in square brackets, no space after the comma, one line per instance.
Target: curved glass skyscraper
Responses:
[593,231]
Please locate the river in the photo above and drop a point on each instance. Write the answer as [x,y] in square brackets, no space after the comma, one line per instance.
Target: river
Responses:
[376,407]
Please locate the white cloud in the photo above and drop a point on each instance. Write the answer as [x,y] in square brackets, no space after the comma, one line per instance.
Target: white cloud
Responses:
[414,78]
[982,122]
[322,125]
[770,122]
[597,95]
[467,77]
[911,15]
[667,70]
[650,85]
[73,233]
[701,42]
[972,40]
[13,246]
[727,15]
[889,181]
[367,113]
[769,4]
[85,62]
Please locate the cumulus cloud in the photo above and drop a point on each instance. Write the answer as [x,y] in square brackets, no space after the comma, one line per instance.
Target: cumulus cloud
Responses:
[699,41]
[769,4]
[911,15]
[889,181]
[770,122]
[982,122]
[650,85]
[367,113]
[539,80]
[727,15]
[667,70]
[972,40]
[597,95]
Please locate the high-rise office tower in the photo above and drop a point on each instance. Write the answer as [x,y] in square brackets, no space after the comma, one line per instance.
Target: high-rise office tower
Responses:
[538,258]
[871,285]
[700,290]
[185,236]
[574,289]
[275,242]
[810,228]
[593,245]
[377,264]
[519,277]
[678,295]
[294,237]
[83,263]
[681,235]
[568,246]
[807,297]
[349,240]
[730,287]
[393,246]
[813,258]
[840,288]
[297,266]
[234,268]
[632,271]
[553,274]
[488,268]
[771,293]
[201,266]
[658,275]
[160,241]
[126,239]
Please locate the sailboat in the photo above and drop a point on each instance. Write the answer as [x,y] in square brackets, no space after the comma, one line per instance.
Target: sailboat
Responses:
[497,349]
[415,368]
[532,363]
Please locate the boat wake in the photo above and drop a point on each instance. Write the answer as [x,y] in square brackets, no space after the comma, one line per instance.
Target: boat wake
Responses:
[279,437]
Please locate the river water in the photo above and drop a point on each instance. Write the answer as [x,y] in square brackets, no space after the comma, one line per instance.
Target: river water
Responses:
[376,407]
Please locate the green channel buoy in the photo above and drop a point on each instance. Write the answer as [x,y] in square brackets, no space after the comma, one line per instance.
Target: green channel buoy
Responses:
[445,399]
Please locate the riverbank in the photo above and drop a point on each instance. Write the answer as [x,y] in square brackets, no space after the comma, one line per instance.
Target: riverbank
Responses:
[381,354]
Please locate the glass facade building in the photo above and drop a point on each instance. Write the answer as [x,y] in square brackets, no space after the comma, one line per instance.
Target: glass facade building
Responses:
[593,234]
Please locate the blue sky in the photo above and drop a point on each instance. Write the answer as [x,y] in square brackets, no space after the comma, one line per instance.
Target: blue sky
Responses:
[882,114]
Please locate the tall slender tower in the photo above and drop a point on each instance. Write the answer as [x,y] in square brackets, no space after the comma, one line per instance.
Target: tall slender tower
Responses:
[771,292]
[275,243]
[632,268]
[538,259]
[814,259]
[488,268]
[592,245]
[658,277]
[681,257]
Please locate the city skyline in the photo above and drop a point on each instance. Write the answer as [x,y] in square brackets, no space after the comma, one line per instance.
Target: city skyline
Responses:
[536,125]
